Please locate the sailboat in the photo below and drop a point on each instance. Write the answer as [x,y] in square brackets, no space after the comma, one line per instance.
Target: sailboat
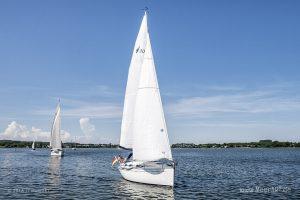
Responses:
[55,141]
[74,148]
[33,146]
[143,128]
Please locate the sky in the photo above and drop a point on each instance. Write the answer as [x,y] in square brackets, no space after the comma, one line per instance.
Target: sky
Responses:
[228,71]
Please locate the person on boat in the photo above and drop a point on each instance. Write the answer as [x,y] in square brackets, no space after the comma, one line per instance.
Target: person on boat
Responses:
[119,159]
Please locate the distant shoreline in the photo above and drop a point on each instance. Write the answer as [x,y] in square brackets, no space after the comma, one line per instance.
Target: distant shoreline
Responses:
[259,144]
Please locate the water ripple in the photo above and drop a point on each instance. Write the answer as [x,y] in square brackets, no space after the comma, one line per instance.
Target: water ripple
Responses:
[200,174]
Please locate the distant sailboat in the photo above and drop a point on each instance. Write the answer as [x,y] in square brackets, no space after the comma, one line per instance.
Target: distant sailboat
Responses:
[144,129]
[74,148]
[33,145]
[55,142]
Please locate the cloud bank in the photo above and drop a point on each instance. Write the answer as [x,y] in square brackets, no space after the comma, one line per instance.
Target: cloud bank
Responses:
[16,131]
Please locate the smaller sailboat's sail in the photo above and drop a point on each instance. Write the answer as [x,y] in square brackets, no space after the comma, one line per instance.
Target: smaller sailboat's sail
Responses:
[150,141]
[55,141]
[33,145]
[132,86]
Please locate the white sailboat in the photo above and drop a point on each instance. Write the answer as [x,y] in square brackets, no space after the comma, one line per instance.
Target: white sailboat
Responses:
[33,146]
[143,127]
[55,141]
[74,148]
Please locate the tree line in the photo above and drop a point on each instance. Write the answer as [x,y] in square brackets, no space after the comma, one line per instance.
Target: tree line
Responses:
[25,144]
[259,144]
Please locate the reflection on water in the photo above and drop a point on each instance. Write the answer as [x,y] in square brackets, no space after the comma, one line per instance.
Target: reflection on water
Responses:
[54,171]
[137,190]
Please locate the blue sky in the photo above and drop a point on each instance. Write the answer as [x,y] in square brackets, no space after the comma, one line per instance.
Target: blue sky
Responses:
[228,70]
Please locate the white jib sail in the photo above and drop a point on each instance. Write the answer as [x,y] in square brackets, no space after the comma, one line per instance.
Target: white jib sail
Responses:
[55,131]
[132,86]
[150,136]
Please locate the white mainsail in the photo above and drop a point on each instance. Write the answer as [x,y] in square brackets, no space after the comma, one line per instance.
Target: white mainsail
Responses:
[33,145]
[132,86]
[55,142]
[150,141]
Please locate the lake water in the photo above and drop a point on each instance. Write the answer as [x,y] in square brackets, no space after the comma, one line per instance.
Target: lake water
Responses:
[200,174]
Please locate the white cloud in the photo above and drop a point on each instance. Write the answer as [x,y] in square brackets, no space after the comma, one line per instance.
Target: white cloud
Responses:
[40,135]
[217,109]
[16,131]
[87,128]
[65,135]
[243,102]
[248,114]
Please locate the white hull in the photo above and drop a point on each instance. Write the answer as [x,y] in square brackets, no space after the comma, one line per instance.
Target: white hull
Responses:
[155,176]
[57,152]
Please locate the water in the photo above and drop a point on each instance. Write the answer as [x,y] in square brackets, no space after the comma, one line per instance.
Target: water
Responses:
[200,174]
